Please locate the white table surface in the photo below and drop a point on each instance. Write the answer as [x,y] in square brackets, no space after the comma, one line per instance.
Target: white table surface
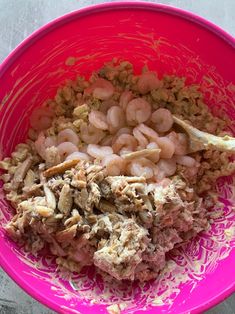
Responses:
[19,18]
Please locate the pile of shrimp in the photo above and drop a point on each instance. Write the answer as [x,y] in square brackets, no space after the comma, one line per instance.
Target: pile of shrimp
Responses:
[114,124]
[127,131]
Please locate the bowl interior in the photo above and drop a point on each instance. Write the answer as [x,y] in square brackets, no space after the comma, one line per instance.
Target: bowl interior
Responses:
[169,43]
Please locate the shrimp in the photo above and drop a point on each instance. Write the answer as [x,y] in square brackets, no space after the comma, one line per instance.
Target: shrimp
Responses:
[78,155]
[163,119]
[142,167]
[115,165]
[116,118]
[98,119]
[164,182]
[125,142]
[41,118]
[142,140]
[68,135]
[138,110]
[125,98]
[180,141]
[50,141]
[186,161]
[90,134]
[99,152]
[106,104]
[101,89]
[65,149]
[167,167]
[148,132]
[107,140]
[125,130]
[147,82]
[167,147]
[40,145]
[143,134]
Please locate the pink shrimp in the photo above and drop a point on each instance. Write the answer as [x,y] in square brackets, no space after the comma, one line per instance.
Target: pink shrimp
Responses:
[125,98]
[126,142]
[98,119]
[116,118]
[163,120]
[115,165]
[148,132]
[107,140]
[180,141]
[167,167]
[99,152]
[40,145]
[50,141]
[68,135]
[101,89]
[144,134]
[65,149]
[90,134]
[138,110]
[186,161]
[125,130]
[142,140]
[41,118]
[106,104]
[142,167]
[167,147]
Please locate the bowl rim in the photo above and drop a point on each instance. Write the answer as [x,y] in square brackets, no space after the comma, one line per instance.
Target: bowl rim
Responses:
[69,17]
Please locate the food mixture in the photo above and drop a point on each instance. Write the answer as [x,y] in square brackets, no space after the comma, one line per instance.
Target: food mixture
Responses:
[107,178]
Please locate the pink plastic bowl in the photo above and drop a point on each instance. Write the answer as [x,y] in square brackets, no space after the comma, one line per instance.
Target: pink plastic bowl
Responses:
[169,41]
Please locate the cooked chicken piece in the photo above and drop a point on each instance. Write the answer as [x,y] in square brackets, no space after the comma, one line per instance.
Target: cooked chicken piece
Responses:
[125,195]
[94,196]
[43,211]
[106,206]
[123,251]
[74,218]
[95,173]
[52,156]
[66,235]
[32,190]
[21,172]
[60,168]
[79,180]
[50,197]
[104,226]
[65,200]
[29,178]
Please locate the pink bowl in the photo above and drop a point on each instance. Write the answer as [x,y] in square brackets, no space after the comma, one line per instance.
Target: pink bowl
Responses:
[170,41]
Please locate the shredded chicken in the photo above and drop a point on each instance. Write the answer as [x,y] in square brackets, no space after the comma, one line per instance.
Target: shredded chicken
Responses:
[127,228]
